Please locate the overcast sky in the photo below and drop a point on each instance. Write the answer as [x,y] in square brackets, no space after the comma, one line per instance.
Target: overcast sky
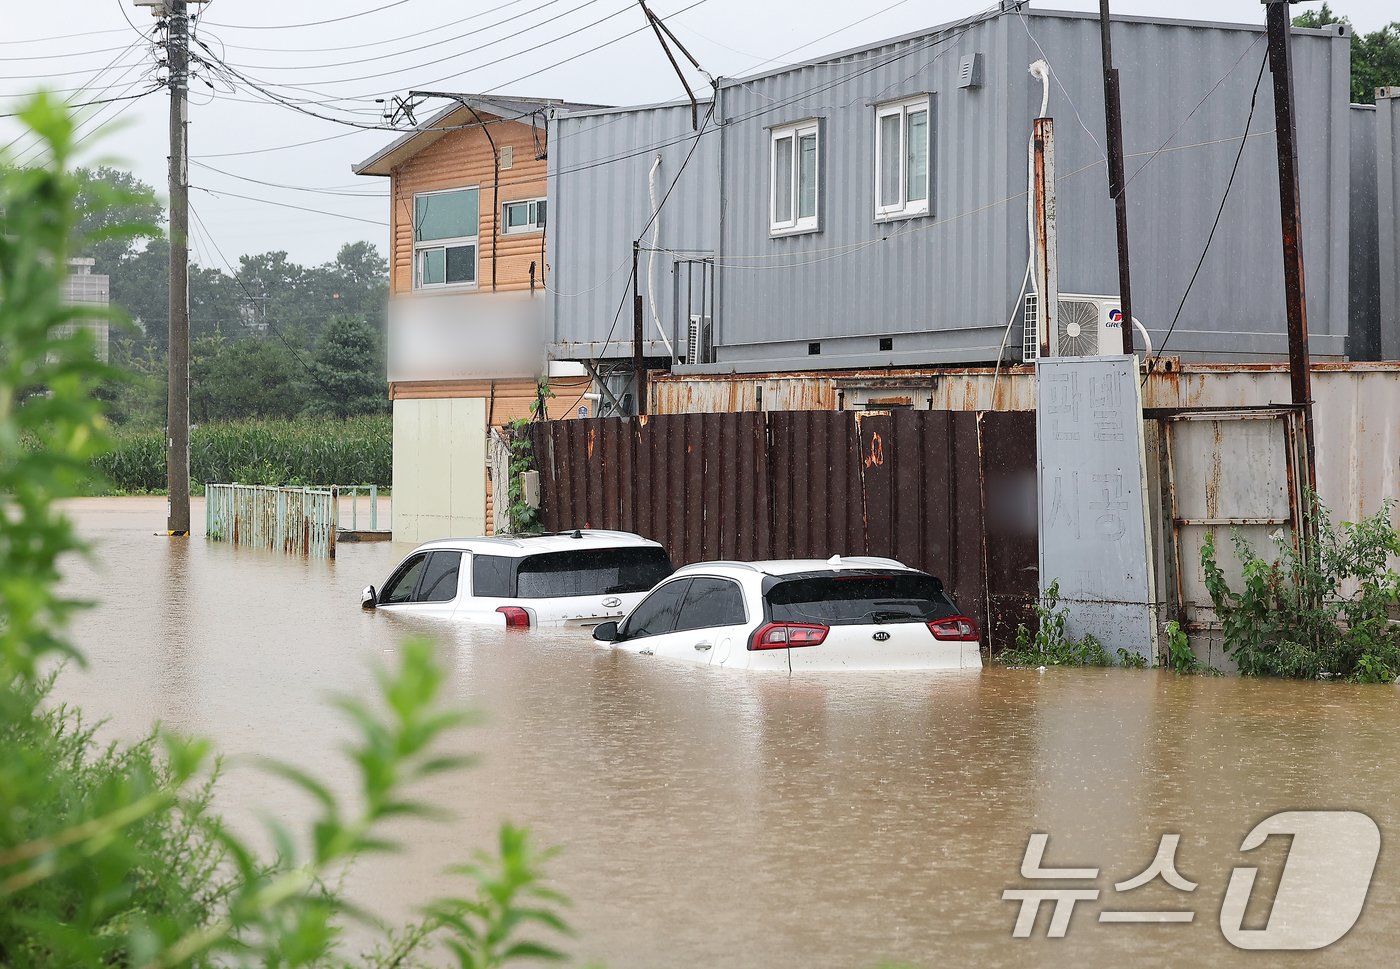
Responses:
[378,48]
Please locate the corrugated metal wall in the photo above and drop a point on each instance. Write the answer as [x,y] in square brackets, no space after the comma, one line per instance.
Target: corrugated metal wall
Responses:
[1364,289]
[942,286]
[599,163]
[1388,228]
[935,283]
[809,484]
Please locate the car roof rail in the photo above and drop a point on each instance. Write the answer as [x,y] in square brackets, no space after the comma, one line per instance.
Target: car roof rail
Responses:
[837,561]
[598,532]
[723,562]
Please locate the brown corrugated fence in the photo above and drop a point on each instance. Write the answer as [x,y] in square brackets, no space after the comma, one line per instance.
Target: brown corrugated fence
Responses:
[912,485]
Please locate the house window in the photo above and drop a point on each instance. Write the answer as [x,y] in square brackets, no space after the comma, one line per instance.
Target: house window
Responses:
[902,140]
[445,228]
[795,182]
[524,216]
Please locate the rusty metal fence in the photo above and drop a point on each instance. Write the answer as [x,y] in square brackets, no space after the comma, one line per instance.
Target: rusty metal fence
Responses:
[951,493]
[300,521]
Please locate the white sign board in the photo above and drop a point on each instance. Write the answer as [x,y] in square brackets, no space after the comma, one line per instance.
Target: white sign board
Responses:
[1093,512]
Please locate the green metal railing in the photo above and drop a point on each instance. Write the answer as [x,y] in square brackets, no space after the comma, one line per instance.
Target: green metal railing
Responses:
[300,521]
[354,493]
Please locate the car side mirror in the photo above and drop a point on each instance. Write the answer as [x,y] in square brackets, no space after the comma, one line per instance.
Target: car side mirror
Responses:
[605,632]
[369,598]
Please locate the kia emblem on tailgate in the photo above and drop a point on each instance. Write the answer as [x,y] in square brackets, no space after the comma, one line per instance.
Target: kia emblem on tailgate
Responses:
[611,602]
[881,636]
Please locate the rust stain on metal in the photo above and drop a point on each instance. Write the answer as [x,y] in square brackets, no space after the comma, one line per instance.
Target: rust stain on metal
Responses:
[876,457]
[592,438]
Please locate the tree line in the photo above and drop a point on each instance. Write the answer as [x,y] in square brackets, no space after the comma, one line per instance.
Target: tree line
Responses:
[269,339]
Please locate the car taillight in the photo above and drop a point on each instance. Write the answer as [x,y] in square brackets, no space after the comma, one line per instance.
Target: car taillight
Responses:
[785,635]
[954,629]
[516,618]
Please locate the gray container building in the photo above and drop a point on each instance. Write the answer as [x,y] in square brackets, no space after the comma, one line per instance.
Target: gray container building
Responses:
[802,206]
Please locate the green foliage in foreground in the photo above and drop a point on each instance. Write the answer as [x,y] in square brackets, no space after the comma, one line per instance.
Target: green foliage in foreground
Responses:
[110,855]
[357,450]
[1051,645]
[1321,613]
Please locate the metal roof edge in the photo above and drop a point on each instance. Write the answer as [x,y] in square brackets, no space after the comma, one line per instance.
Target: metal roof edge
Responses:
[622,109]
[1022,9]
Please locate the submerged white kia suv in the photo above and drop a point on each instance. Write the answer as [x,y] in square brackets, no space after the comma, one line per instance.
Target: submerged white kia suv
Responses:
[857,613]
[578,578]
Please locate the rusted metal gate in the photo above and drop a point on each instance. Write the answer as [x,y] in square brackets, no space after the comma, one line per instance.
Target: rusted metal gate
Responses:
[1227,470]
[912,485]
[301,521]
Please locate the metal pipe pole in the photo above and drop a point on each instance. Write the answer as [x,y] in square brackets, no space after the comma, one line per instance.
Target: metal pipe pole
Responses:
[178,405]
[1113,125]
[1295,301]
[1046,260]
[639,373]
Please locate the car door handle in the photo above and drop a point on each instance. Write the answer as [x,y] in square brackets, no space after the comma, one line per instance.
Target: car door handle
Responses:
[703,646]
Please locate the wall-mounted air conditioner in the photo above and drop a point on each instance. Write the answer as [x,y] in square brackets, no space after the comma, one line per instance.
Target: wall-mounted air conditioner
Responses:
[1085,326]
[699,340]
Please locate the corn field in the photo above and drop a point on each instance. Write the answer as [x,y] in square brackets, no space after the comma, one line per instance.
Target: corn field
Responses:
[357,450]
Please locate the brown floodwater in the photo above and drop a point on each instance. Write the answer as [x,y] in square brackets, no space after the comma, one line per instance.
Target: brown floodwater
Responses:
[720,818]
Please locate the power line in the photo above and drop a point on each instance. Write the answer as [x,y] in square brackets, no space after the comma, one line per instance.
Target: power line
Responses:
[293,188]
[88,104]
[286,205]
[1253,100]
[374,43]
[423,47]
[314,23]
[41,40]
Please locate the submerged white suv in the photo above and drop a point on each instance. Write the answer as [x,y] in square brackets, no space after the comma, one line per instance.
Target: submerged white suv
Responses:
[578,578]
[859,613]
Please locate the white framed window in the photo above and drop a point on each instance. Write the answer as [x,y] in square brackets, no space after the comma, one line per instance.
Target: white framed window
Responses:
[903,141]
[527,215]
[446,226]
[794,185]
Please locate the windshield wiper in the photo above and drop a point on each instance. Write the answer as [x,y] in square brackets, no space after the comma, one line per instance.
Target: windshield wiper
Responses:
[879,617]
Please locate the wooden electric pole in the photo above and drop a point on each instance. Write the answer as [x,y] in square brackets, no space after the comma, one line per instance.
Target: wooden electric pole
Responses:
[1113,127]
[1295,301]
[178,408]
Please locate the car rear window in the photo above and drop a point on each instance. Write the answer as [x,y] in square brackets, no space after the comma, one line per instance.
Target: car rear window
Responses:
[589,572]
[848,599]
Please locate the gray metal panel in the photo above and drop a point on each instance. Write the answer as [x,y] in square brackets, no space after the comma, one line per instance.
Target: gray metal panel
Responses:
[1388,220]
[599,163]
[951,274]
[1093,516]
[856,276]
[1364,283]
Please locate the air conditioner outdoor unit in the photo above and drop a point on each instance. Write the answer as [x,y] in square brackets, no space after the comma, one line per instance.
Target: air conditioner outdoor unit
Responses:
[698,340]
[1086,326]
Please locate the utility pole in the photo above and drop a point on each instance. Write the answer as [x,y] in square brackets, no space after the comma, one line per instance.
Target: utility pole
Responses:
[1281,67]
[639,403]
[1113,126]
[177,55]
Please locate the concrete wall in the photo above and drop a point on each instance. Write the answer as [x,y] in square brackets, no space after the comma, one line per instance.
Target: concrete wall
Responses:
[439,468]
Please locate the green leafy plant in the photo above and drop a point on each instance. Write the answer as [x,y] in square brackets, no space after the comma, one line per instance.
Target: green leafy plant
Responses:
[1051,645]
[1327,610]
[110,856]
[524,519]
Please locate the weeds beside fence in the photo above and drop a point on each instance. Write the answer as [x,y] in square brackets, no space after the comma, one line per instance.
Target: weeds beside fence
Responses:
[303,452]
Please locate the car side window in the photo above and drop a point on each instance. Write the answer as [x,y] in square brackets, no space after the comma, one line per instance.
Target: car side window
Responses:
[400,586]
[656,614]
[440,577]
[711,602]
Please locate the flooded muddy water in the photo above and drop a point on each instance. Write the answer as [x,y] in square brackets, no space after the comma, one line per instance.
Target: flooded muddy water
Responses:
[719,818]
